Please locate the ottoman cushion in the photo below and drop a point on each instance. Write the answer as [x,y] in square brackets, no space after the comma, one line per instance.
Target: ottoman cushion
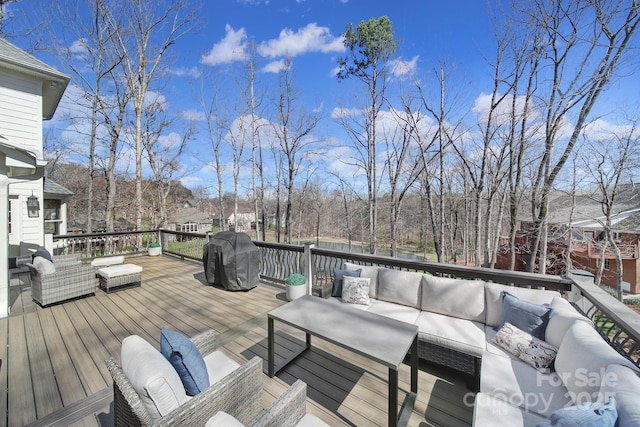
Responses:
[119,270]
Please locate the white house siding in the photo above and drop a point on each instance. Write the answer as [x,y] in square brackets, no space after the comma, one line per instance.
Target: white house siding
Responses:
[21,124]
[21,110]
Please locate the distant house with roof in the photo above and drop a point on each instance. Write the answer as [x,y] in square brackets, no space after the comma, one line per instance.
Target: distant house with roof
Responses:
[576,228]
[30,92]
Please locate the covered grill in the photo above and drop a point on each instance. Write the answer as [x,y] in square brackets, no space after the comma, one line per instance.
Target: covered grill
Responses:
[231,260]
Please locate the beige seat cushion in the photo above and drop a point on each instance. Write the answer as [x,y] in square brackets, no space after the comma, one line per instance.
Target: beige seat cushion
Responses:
[399,312]
[491,411]
[457,334]
[521,385]
[219,365]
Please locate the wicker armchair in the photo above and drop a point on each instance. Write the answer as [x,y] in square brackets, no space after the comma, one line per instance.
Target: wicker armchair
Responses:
[68,281]
[238,394]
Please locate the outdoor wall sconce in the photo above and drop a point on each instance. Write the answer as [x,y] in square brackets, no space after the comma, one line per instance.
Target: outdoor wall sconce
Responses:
[33,206]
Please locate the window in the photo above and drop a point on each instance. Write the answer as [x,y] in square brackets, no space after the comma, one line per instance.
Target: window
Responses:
[9,216]
[607,264]
[52,217]
[616,236]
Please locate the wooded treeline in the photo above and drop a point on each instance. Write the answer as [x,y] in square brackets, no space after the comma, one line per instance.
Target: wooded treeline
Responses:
[417,162]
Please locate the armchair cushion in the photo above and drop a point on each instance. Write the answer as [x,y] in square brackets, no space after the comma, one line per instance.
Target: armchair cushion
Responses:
[152,377]
[222,419]
[43,265]
[186,359]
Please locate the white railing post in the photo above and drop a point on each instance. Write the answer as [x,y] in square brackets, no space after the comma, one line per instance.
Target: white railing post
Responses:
[308,266]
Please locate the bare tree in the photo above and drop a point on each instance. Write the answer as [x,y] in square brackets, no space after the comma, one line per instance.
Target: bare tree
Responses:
[370,46]
[163,153]
[293,126]
[611,161]
[583,44]
[403,162]
[217,125]
[142,40]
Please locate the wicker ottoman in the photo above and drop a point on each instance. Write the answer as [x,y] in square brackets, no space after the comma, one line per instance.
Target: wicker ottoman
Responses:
[120,275]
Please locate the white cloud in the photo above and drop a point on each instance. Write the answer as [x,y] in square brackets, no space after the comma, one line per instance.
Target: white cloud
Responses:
[170,140]
[155,99]
[232,48]
[193,72]
[401,68]
[274,66]
[193,115]
[602,130]
[341,112]
[191,181]
[311,38]
[79,49]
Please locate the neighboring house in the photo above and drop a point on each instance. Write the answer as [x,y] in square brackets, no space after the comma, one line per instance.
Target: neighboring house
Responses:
[587,238]
[245,221]
[189,219]
[30,92]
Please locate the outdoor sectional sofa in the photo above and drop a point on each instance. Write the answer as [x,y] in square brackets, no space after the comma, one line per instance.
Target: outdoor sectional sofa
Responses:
[457,322]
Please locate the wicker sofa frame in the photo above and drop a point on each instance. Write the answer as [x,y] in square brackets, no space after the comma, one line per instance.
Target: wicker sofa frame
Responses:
[68,281]
[238,394]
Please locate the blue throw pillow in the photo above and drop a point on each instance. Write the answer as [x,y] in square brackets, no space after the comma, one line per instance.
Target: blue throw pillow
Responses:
[529,317]
[338,275]
[186,360]
[584,415]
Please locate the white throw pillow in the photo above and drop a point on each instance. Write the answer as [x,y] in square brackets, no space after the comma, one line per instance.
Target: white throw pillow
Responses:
[526,347]
[355,290]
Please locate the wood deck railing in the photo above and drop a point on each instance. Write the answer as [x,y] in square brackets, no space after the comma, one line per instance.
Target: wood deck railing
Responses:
[619,325]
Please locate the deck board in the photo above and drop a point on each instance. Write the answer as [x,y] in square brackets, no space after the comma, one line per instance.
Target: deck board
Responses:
[53,367]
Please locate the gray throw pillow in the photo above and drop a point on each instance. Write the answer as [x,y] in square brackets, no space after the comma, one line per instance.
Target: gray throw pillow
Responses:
[337,280]
[529,317]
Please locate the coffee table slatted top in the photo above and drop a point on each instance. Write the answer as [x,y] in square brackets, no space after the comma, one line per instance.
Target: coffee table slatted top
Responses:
[377,337]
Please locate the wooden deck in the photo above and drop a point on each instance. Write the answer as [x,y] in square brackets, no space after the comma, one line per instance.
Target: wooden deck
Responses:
[52,359]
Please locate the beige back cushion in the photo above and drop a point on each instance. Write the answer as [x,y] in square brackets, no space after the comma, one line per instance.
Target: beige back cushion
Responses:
[493,299]
[152,376]
[400,287]
[454,297]
[370,272]
[562,317]
[582,360]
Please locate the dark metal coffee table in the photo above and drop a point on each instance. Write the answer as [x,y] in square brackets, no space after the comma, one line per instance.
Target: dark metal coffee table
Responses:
[379,338]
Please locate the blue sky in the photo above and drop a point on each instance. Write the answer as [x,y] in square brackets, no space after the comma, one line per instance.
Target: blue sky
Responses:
[458,32]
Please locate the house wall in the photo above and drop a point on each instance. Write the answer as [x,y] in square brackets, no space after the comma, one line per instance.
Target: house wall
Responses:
[21,124]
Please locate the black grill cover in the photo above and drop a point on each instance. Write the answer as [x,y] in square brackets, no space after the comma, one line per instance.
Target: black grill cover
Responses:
[231,260]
